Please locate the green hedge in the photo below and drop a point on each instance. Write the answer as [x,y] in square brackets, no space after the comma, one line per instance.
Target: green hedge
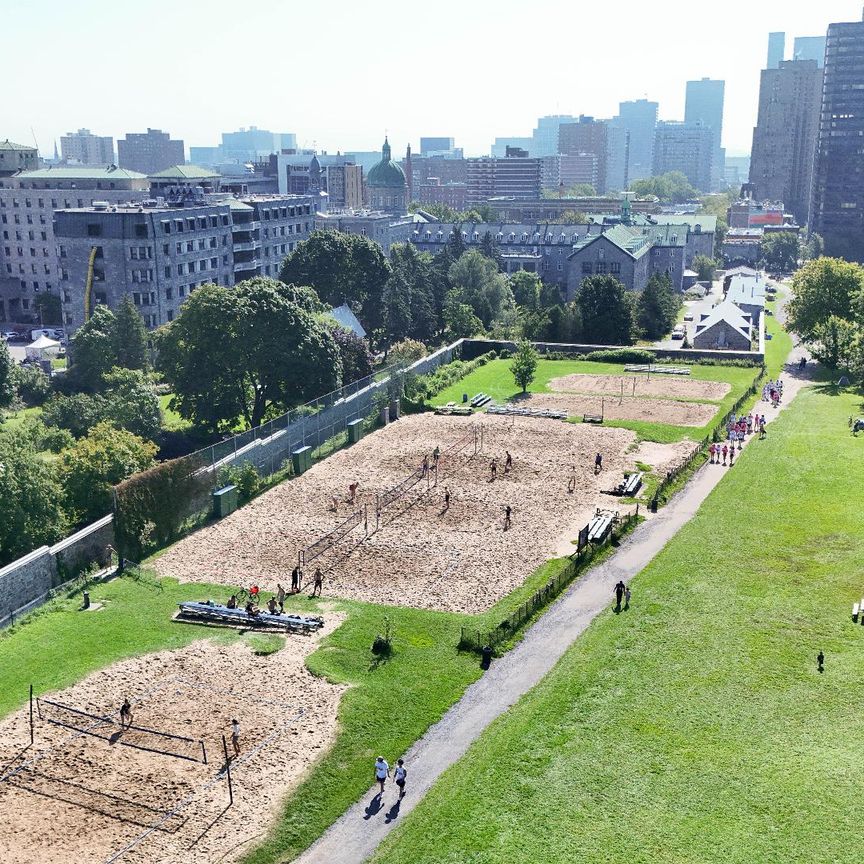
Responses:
[621,355]
[422,387]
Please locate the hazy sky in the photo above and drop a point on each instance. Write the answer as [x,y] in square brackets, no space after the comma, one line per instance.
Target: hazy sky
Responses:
[339,73]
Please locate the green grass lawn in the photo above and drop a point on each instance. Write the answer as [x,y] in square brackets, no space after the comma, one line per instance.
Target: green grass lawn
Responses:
[496,380]
[694,727]
[171,419]
[14,419]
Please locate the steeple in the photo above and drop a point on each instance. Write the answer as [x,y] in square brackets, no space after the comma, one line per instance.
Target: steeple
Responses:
[385,150]
[409,173]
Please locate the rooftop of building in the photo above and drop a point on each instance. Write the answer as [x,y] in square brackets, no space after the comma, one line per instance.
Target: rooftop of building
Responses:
[386,173]
[185,172]
[80,172]
[11,145]
[629,239]
[728,313]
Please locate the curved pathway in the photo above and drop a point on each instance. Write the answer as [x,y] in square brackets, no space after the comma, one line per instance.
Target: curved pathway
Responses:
[355,836]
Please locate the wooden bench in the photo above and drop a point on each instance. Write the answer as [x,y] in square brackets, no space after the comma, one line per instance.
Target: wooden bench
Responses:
[480,400]
[855,608]
[592,418]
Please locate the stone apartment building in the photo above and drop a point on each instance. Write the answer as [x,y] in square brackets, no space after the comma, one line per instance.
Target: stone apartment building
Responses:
[159,254]
[28,253]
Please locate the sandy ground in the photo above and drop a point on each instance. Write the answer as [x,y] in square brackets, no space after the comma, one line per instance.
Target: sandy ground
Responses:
[663,457]
[98,796]
[460,559]
[666,411]
[672,386]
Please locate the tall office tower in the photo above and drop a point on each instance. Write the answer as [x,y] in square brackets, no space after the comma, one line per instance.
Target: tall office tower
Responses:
[837,208]
[639,118]
[784,140]
[85,148]
[685,147]
[587,135]
[809,48]
[704,104]
[545,136]
[149,152]
[776,50]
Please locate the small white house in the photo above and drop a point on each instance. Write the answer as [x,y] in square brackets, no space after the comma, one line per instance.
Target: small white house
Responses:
[725,327]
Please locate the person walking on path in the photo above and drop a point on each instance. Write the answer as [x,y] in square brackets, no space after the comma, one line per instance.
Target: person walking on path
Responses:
[382,772]
[627,597]
[712,449]
[725,452]
[620,588]
[400,775]
[319,582]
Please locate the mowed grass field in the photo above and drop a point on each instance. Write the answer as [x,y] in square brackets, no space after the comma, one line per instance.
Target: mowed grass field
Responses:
[496,380]
[695,727]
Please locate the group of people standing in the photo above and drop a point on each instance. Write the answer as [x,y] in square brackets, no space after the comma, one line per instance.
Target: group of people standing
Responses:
[773,392]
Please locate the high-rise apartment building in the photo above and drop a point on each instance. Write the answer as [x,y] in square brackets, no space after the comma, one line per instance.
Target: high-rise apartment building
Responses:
[254,144]
[784,140]
[776,50]
[513,177]
[85,148]
[685,147]
[639,118]
[430,145]
[149,152]
[809,48]
[587,135]
[704,104]
[545,136]
[837,208]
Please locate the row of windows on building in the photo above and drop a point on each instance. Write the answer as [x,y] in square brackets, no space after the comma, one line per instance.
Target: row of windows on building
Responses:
[31,235]
[20,251]
[16,220]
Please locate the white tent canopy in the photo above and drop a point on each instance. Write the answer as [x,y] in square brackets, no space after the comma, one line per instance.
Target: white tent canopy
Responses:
[42,348]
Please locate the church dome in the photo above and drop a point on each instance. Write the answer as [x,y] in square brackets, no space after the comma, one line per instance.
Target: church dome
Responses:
[386,173]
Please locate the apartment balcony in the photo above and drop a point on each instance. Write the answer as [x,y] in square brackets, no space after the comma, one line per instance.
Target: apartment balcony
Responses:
[244,266]
[247,246]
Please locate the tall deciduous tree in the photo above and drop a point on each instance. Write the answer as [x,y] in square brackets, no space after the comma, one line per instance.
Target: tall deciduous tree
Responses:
[354,354]
[96,463]
[132,403]
[459,318]
[657,306]
[607,311]
[822,288]
[481,286]
[238,352]
[526,288]
[524,364]
[31,511]
[93,349]
[415,269]
[780,250]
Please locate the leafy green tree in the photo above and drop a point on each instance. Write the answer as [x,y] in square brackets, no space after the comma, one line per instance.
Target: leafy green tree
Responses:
[481,286]
[78,413]
[490,248]
[397,308]
[456,242]
[672,187]
[657,306]
[571,217]
[704,267]
[459,318]
[814,248]
[30,498]
[132,403]
[238,352]
[415,269]
[129,336]
[779,250]
[341,268]
[354,354]
[835,342]
[534,324]
[406,352]
[822,288]
[93,349]
[524,364]
[526,288]
[606,310]
[48,308]
[442,212]
[7,376]
[31,383]
[96,463]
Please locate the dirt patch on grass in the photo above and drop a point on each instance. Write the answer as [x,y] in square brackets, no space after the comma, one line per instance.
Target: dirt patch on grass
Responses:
[422,554]
[666,411]
[663,457]
[76,797]
[672,386]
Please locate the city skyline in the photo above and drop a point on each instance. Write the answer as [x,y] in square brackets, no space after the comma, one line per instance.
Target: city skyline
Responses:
[311,87]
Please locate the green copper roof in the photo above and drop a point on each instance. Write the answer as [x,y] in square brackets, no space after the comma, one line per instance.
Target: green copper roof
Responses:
[184,172]
[82,172]
[386,173]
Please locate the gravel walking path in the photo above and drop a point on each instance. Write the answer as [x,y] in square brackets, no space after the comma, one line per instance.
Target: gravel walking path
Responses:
[355,836]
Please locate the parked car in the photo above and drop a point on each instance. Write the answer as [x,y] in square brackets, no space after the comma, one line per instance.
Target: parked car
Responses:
[688,316]
[678,332]
[11,335]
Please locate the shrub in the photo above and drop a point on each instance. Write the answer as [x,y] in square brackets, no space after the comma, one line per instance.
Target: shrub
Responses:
[245,477]
[621,355]
[32,384]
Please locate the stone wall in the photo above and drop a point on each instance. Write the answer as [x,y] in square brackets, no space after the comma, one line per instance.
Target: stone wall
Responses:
[25,583]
